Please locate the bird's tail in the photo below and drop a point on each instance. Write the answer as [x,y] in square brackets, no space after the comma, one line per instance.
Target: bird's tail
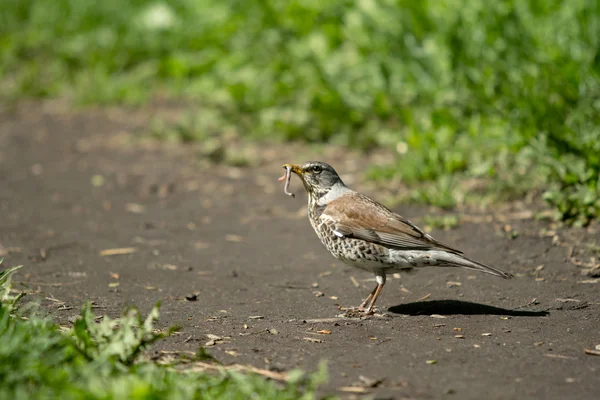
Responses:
[457,260]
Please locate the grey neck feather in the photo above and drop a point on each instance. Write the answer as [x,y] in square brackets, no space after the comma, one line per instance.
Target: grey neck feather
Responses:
[333,193]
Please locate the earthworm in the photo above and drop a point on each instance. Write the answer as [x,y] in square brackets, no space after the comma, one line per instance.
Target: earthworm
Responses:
[287,177]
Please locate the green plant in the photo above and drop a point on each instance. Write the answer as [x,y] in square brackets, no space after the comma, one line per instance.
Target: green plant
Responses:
[458,87]
[445,222]
[99,358]
[573,183]
[119,340]
[6,298]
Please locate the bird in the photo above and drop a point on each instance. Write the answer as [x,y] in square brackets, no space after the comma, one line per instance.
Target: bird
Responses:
[365,234]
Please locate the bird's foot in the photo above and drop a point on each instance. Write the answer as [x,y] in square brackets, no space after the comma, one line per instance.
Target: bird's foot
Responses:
[360,312]
[368,310]
[352,312]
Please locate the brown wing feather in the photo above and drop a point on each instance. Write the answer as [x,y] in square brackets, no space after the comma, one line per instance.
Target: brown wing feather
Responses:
[360,217]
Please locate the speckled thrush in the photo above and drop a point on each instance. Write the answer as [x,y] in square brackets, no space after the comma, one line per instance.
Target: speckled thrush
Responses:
[365,234]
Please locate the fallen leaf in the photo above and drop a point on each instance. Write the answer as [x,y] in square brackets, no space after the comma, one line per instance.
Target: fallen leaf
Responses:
[256,317]
[333,297]
[592,352]
[438,316]
[114,275]
[232,353]
[324,332]
[560,356]
[459,336]
[234,238]
[486,334]
[135,208]
[313,340]
[214,337]
[353,389]
[431,362]
[567,300]
[453,283]
[118,251]
[4,251]
[428,295]
[201,245]
[113,284]
[457,329]
[203,366]
[273,331]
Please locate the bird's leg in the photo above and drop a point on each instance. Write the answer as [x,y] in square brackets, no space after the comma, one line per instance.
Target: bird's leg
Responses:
[380,282]
[364,303]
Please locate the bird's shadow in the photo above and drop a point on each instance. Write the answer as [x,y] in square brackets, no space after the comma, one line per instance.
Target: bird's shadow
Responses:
[457,307]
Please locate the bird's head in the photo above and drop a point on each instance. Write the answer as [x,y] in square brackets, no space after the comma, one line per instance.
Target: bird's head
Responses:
[319,178]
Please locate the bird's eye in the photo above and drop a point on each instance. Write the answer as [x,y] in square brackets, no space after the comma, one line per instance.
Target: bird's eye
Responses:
[317,169]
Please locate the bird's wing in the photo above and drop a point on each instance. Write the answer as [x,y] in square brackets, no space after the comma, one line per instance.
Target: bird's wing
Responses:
[358,216]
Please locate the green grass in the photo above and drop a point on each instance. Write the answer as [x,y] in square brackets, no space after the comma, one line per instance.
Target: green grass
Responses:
[506,92]
[101,358]
[445,222]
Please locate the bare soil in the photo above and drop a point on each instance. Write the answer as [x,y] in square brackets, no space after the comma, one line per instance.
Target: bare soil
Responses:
[229,254]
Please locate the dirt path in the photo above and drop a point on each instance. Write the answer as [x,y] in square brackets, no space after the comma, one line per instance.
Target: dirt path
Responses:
[237,247]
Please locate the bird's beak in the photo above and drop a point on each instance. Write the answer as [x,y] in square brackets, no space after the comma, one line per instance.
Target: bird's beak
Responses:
[295,168]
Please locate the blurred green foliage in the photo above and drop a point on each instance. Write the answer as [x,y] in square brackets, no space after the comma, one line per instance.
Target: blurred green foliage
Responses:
[508,89]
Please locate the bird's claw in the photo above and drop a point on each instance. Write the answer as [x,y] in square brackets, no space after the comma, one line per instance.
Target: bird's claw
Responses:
[359,311]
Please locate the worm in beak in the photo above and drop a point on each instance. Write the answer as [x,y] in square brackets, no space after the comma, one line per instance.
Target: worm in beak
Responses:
[287,178]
